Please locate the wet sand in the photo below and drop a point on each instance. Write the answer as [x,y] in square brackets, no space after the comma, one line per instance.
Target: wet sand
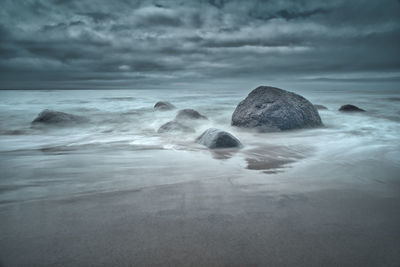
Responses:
[216,222]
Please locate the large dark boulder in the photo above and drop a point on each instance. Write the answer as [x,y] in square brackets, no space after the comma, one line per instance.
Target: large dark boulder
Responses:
[320,107]
[350,108]
[174,126]
[215,138]
[163,105]
[56,117]
[273,109]
[189,114]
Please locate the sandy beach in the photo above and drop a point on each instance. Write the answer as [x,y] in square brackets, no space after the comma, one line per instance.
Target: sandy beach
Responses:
[210,223]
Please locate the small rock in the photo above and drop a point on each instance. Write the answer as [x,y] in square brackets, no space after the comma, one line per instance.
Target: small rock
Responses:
[215,138]
[350,108]
[163,105]
[190,114]
[56,117]
[174,126]
[320,107]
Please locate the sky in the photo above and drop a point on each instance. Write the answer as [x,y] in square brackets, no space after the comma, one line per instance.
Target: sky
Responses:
[103,44]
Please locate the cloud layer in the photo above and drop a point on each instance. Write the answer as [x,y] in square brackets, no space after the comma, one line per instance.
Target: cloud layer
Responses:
[168,44]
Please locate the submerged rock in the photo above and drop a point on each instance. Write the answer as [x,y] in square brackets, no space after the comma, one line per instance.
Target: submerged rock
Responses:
[350,108]
[174,126]
[273,109]
[56,117]
[215,138]
[320,107]
[164,105]
[190,114]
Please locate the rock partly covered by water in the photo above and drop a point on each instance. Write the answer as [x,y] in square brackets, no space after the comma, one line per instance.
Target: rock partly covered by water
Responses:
[191,114]
[174,126]
[273,109]
[163,105]
[350,108]
[320,107]
[215,138]
[56,117]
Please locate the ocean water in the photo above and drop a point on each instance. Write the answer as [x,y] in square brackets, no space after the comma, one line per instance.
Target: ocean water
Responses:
[120,149]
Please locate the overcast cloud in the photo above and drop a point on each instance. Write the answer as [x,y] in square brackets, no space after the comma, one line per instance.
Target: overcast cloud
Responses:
[168,44]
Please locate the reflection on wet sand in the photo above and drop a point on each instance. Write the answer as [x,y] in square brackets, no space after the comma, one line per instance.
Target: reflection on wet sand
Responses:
[224,154]
[272,159]
[269,159]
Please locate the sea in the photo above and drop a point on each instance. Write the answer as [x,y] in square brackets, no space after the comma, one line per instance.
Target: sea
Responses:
[119,149]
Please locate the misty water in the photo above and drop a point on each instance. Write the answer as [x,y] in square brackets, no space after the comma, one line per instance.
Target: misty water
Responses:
[119,148]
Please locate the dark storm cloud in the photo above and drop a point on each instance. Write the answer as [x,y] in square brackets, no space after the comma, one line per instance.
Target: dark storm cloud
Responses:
[150,43]
[292,14]
[287,14]
[97,16]
[217,3]
[61,26]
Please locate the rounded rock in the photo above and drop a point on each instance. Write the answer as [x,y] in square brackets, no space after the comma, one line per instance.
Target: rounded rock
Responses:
[190,114]
[350,108]
[163,105]
[173,126]
[272,109]
[215,138]
[56,117]
[320,107]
